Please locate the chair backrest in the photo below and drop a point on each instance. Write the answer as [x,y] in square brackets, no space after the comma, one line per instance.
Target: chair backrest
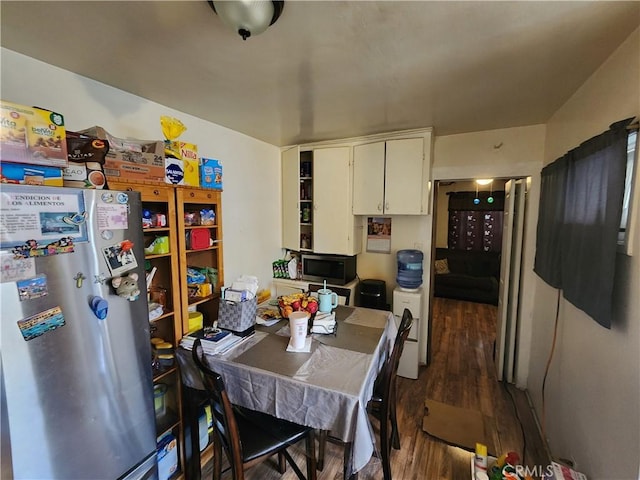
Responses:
[391,365]
[224,420]
[344,294]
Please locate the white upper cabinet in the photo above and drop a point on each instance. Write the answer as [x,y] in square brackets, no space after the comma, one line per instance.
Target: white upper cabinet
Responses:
[403,169]
[335,229]
[368,178]
[291,199]
[391,177]
[316,201]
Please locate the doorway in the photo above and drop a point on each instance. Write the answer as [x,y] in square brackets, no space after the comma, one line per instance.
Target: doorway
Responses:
[485,267]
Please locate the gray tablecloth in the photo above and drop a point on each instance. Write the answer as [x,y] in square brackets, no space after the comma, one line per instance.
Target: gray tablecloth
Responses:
[327,388]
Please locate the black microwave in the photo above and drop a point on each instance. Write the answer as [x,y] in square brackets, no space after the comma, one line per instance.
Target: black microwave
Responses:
[335,269]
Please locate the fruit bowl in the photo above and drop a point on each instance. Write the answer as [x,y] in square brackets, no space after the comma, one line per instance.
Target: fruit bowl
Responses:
[297,302]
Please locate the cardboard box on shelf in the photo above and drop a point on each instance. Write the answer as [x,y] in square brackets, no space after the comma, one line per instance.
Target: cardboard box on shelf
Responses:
[191,172]
[86,157]
[181,150]
[135,166]
[32,135]
[126,144]
[183,167]
[174,171]
[131,159]
[210,173]
[30,174]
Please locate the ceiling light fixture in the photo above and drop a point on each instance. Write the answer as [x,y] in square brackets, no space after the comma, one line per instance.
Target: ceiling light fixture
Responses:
[248,17]
[484,181]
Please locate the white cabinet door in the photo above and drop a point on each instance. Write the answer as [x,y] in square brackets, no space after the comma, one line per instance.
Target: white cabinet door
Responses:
[368,179]
[287,286]
[388,177]
[404,176]
[291,199]
[333,221]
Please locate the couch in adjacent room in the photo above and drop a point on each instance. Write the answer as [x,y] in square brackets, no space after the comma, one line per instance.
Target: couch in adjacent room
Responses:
[467,275]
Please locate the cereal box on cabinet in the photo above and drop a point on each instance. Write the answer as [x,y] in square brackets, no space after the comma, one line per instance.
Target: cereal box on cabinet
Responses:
[210,173]
[32,135]
[18,173]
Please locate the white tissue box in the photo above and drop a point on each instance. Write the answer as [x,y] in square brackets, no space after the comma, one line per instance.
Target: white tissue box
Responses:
[324,323]
[235,295]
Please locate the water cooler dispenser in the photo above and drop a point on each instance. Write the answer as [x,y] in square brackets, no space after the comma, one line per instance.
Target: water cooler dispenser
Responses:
[408,294]
[409,268]
[403,298]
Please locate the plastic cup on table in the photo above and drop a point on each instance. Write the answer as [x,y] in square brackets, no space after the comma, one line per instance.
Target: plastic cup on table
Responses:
[298,325]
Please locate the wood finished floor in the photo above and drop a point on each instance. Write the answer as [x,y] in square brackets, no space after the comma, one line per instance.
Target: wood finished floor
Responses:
[462,374]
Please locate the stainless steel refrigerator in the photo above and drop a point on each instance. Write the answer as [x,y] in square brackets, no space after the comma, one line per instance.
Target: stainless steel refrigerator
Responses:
[76,384]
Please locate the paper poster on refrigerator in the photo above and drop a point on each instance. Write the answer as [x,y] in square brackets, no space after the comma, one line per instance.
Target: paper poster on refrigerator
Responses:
[44,216]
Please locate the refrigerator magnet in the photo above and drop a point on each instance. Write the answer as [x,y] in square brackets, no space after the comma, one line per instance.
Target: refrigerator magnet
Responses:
[76,219]
[99,307]
[79,278]
[33,249]
[41,323]
[107,197]
[31,288]
[120,257]
[127,286]
[112,217]
[13,269]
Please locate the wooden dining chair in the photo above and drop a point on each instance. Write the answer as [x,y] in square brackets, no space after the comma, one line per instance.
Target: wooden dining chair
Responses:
[344,294]
[382,404]
[249,437]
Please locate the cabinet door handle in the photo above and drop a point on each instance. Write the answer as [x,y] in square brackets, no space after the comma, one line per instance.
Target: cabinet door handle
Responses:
[379,207]
[386,206]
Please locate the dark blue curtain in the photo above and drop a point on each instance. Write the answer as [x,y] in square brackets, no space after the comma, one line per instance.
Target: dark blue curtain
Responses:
[579,217]
[550,220]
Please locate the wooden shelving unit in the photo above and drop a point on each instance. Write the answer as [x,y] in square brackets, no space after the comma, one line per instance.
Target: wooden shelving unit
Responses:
[190,203]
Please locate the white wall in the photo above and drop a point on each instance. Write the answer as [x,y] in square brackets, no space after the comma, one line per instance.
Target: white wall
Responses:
[407,232]
[593,387]
[251,168]
[502,153]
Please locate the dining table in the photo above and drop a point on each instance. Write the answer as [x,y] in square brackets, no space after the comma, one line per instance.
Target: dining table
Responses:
[326,388]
